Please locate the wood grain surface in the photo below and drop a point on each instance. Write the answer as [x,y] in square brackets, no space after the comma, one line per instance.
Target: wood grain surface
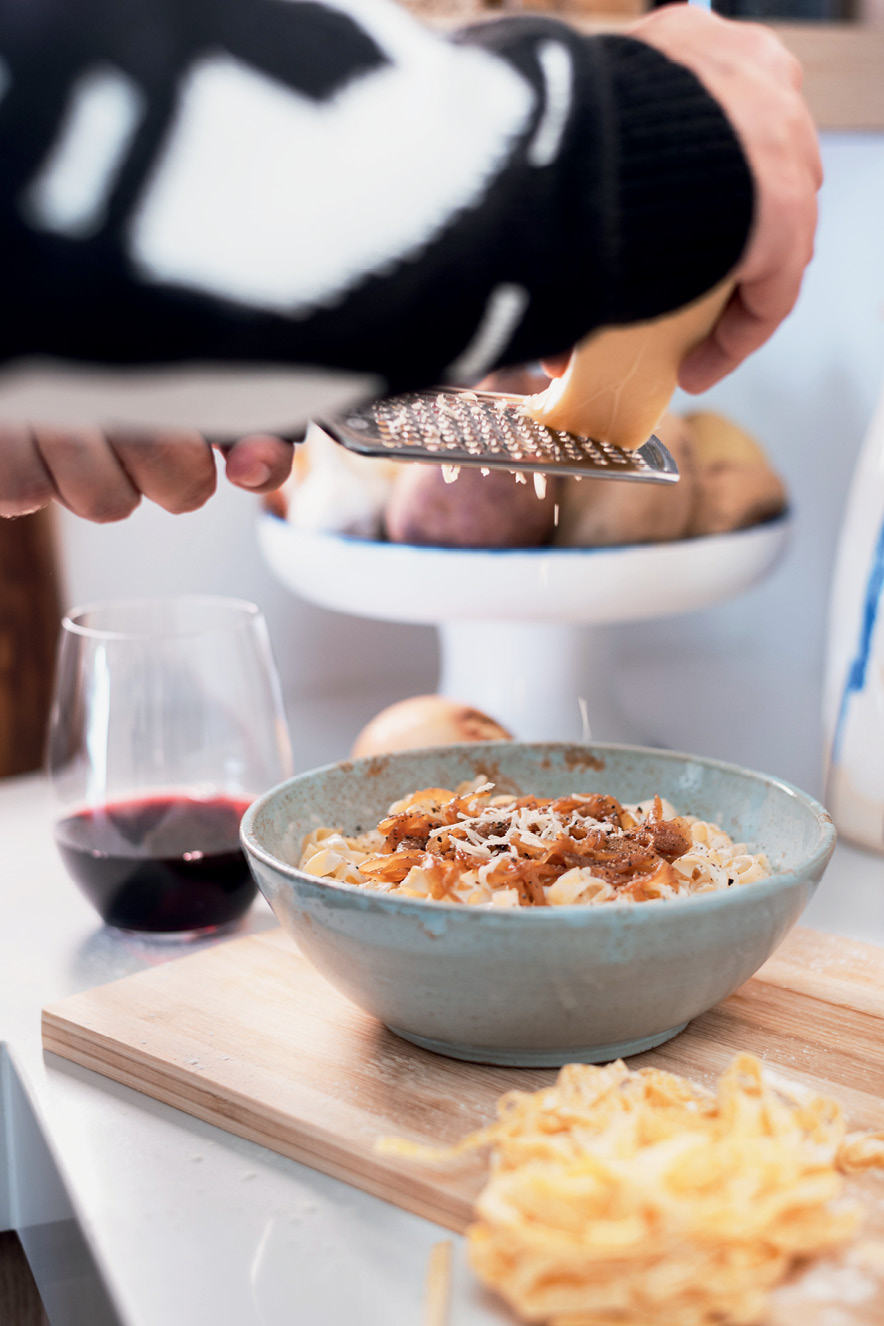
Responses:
[842,62]
[20,1303]
[246,1035]
[30,614]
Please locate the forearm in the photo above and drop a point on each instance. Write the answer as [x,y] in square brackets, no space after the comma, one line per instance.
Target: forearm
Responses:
[304,186]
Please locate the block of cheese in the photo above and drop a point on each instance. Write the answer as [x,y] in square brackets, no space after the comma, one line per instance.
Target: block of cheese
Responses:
[619,381]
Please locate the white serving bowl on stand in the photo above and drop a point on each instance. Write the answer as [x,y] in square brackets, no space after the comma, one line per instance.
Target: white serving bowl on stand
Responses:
[515,624]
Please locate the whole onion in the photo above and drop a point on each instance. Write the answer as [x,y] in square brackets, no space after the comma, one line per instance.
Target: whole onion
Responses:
[426,720]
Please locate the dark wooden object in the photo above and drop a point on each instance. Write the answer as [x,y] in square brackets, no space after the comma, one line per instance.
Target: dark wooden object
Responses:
[29,622]
[20,1303]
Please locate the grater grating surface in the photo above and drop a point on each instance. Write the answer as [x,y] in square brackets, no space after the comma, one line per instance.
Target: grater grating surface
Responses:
[453,426]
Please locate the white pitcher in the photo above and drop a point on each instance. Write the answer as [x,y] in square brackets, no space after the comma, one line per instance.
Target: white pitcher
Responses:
[853,701]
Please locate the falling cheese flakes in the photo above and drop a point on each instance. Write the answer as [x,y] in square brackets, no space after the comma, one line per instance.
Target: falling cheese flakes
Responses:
[625,1198]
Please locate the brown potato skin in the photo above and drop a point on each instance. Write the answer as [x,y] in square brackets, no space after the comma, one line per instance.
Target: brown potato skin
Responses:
[736,486]
[602,513]
[735,498]
[475,511]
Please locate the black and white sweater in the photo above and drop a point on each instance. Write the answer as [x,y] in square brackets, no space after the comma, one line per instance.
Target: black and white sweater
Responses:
[236,213]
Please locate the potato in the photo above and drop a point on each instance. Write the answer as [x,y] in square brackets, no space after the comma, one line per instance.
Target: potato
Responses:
[475,511]
[426,720]
[735,484]
[333,489]
[603,513]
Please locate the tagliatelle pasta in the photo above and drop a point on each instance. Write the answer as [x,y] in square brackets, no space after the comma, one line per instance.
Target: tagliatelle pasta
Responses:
[637,1198]
[471,846]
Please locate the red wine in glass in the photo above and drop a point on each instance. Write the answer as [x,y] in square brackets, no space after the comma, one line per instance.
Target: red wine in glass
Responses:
[167,721]
[163,863]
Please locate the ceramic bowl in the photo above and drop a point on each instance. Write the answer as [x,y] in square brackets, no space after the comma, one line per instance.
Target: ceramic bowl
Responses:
[552,985]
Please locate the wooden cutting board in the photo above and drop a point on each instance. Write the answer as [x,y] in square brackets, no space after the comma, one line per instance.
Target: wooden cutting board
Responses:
[246,1035]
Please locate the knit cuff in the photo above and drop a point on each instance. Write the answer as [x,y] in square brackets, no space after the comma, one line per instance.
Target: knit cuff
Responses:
[680,194]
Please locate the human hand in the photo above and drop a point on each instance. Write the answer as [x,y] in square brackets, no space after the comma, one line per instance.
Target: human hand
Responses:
[757,83]
[103,477]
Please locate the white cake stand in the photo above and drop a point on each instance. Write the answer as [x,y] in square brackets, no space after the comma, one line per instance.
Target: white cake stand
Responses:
[515,625]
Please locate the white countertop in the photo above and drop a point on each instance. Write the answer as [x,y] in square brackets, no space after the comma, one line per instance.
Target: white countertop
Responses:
[134,1213]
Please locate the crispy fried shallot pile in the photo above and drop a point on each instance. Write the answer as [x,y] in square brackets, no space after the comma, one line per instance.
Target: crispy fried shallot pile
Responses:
[528,843]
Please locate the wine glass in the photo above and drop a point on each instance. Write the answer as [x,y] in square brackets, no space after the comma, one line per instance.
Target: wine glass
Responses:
[167,721]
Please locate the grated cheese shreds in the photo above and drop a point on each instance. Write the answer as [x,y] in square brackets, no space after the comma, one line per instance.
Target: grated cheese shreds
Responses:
[636,1197]
[471,846]
[438,1285]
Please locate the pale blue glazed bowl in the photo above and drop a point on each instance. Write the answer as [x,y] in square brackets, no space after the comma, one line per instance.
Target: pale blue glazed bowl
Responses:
[542,986]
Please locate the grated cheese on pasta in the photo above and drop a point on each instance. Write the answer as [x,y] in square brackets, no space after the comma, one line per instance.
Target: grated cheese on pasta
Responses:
[484,850]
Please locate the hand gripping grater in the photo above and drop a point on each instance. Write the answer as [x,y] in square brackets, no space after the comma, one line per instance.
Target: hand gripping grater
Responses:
[454,426]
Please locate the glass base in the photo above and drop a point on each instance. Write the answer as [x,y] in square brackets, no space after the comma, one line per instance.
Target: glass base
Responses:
[176,936]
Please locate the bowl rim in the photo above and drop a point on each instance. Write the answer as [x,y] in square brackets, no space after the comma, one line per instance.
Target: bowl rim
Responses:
[817,860]
[782,520]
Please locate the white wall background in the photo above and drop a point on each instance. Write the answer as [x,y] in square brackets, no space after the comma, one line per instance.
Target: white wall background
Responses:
[741,681]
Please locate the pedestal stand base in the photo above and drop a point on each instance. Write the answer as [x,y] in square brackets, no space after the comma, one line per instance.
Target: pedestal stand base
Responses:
[537,679]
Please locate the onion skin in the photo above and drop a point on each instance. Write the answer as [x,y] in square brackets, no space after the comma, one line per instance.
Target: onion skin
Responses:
[425,720]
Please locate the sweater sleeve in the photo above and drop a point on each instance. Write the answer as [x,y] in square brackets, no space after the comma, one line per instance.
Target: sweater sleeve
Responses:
[256,186]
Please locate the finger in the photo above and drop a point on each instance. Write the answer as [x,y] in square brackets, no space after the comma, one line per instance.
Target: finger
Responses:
[795,71]
[758,306]
[88,478]
[555,367]
[259,462]
[737,333]
[770,52]
[174,470]
[813,153]
[769,286]
[797,124]
[25,483]
[705,365]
